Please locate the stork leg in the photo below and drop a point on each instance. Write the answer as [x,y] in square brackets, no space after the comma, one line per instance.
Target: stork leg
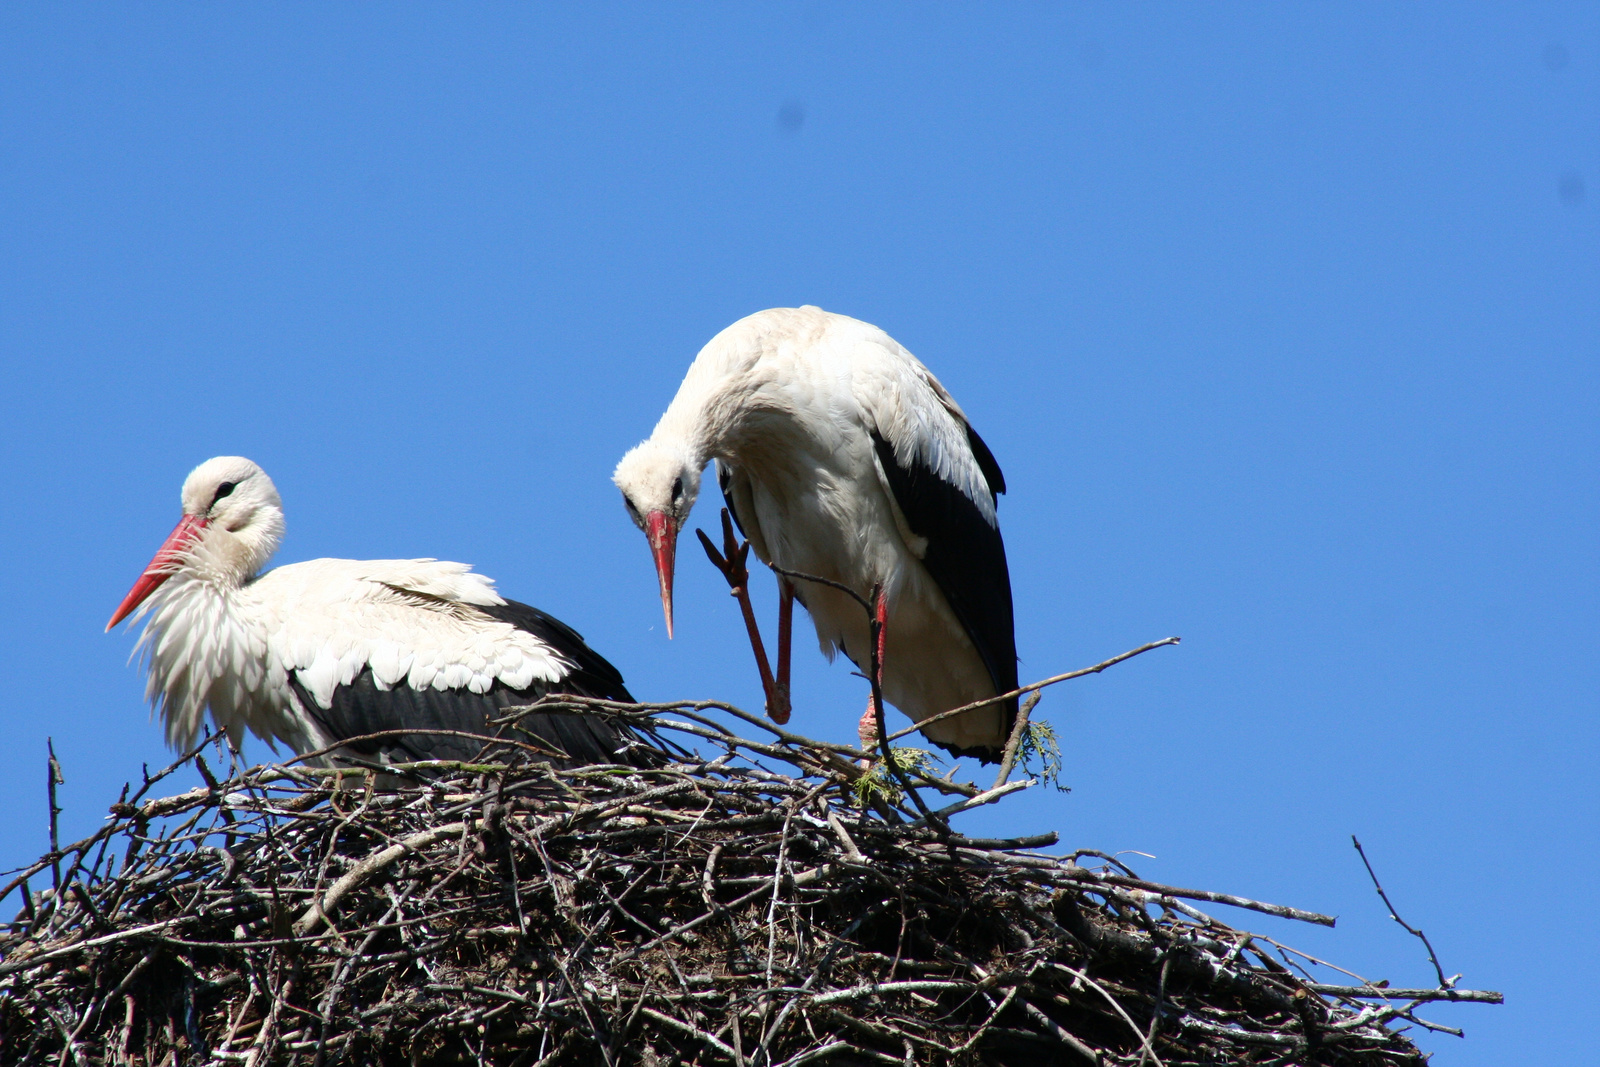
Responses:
[874,714]
[780,713]
[731,562]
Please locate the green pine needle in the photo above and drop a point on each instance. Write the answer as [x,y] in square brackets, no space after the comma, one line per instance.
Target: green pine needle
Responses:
[1039,743]
[880,782]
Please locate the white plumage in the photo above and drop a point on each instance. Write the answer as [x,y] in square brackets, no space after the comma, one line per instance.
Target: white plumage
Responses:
[842,456]
[312,654]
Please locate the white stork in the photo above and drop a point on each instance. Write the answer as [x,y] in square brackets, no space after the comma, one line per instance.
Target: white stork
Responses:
[841,456]
[332,650]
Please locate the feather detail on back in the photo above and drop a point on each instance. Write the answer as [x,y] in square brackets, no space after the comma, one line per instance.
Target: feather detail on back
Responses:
[417,622]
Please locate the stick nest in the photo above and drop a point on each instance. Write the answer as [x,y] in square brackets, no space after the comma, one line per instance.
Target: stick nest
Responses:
[707,910]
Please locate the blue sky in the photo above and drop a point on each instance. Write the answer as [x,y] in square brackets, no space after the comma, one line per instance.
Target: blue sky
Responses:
[1283,321]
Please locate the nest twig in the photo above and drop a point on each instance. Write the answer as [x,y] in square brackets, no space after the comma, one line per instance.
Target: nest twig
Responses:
[708,910]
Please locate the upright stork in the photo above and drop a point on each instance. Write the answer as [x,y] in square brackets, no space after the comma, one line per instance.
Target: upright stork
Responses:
[841,456]
[331,651]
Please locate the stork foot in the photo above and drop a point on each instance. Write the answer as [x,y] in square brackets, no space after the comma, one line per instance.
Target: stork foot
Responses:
[868,731]
[879,630]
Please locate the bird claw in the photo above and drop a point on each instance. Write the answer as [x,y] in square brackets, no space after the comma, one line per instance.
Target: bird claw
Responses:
[711,552]
[731,560]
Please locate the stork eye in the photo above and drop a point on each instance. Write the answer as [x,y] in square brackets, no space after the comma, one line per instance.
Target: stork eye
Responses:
[633,511]
[223,490]
[677,491]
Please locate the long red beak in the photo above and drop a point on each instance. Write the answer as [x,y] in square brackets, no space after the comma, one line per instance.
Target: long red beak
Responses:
[663,534]
[161,568]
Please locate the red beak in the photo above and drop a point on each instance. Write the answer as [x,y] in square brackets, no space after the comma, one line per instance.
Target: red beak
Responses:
[162,567]
[663,534]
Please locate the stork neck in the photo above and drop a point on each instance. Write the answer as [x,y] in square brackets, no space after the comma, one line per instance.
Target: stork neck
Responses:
[688,428]
[230,558]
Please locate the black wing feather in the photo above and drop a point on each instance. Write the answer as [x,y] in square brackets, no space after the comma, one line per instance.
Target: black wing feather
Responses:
[725,483]
[592,675]
[966,557]
[362,708]
[986,464]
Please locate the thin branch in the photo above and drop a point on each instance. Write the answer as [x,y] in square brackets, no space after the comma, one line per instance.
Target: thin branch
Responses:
[53,777]
[1096,669]
[1019,730]
[1444,983]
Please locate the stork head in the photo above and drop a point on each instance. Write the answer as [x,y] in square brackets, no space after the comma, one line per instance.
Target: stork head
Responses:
[232,524]
[659,484]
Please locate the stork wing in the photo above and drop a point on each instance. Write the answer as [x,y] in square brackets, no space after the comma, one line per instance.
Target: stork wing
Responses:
[966,558]
[462,717]
[945,480]
[373,650]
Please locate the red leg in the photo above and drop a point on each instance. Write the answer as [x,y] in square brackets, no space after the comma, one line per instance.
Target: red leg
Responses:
[880,615]
[741,592]
[731,563]
[874,714]
[778,708]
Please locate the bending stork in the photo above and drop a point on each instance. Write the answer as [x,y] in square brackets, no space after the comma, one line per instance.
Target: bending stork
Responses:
[318,653]
[841,456]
